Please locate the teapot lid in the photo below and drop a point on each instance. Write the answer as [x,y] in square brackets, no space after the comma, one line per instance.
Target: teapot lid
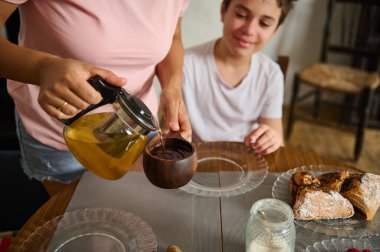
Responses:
[138,111]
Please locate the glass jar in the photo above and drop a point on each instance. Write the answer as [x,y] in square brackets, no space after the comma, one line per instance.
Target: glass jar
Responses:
[270,227]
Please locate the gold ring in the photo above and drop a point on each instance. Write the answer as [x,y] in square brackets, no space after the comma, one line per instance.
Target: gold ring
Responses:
[63,104]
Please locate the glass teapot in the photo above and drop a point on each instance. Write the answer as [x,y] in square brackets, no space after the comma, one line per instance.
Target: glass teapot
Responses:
[107,144]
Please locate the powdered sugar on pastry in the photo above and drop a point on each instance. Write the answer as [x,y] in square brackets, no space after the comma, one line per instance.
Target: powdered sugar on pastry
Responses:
[363,191]
[371,185]
[313,204]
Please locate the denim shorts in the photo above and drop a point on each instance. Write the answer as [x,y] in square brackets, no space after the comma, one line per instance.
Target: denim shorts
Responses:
[42,162]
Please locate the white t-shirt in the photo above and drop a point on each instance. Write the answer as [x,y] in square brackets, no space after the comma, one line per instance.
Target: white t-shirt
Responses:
[221,113]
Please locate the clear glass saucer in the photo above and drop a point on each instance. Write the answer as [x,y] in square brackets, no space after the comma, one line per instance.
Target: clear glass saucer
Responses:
[350,227]
[339,244]
[93,229]
[226,169]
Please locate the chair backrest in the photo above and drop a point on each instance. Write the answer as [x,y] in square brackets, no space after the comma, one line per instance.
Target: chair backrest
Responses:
[352,28]
[283,62]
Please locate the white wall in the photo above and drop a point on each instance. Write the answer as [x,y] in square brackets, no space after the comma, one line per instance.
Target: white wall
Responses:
[299,37]
[201,22]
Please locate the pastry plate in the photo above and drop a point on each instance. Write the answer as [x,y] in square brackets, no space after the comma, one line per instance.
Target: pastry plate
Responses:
[93,229]
[226,169]
[343,244]
[350,227]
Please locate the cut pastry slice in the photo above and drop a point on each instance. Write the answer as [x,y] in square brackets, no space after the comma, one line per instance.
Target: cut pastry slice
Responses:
[313,203]
[363,191]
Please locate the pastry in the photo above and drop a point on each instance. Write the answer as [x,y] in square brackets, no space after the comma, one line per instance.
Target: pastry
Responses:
[363,191]
[305,179]
[314,203]
[301,179]
[332,180]
[317,197]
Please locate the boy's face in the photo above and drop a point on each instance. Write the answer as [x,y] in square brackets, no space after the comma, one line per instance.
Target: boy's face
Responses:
[249,25]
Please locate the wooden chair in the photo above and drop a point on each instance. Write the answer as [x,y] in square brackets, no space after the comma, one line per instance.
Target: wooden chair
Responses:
[8,135]
[283,62]
[354,80]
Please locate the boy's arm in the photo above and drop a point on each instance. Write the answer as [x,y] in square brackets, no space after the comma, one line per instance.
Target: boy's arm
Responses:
[276,125]
[267,138]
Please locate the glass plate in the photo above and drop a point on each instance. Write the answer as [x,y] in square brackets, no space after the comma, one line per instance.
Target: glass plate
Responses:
[93,229]
[226,169]
[350,227]
[336,244]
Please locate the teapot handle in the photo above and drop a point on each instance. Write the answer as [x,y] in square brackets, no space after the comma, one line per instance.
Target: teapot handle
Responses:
[108,92]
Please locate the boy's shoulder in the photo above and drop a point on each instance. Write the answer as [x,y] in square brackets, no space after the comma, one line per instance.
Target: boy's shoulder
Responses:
[200,50]
[266,62]
[262,57]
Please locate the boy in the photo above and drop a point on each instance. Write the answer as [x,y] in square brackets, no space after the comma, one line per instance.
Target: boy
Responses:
[233,92]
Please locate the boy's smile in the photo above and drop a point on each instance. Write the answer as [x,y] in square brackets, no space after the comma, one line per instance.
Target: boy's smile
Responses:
[244,43]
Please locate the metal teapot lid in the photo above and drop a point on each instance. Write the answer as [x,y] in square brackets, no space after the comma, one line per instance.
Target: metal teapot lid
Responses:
[137,110]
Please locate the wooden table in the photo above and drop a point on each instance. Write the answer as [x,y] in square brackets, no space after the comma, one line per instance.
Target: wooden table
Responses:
[282,160]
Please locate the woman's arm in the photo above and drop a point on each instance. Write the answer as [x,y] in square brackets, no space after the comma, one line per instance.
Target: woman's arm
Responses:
[18,63]
[60,80]
[169,73]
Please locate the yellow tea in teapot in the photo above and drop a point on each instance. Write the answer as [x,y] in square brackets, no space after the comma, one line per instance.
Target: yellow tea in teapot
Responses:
[107,155]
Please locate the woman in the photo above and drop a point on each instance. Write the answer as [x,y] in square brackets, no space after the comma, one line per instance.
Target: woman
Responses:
[64,43]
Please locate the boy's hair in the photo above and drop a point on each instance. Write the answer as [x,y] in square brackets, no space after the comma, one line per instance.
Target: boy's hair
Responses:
[285,5]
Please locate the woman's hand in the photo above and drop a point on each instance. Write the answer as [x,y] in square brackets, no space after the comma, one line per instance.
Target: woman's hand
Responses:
[264,140]
[174,112]
[64,90]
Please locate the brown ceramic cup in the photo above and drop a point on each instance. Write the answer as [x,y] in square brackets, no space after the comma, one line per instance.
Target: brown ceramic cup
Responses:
[170,167]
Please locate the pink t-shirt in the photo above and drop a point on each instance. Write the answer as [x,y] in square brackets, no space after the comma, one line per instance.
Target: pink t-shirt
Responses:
[127,37]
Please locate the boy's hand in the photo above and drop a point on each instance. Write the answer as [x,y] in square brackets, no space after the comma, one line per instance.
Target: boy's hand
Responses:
[264,140]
